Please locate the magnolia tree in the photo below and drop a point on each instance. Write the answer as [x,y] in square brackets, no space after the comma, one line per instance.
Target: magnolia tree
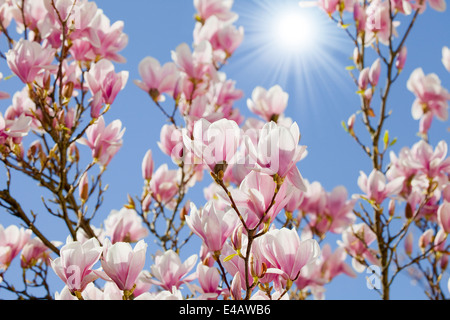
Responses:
[263,229]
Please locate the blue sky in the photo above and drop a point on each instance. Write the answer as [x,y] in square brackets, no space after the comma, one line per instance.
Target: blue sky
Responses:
[321,95]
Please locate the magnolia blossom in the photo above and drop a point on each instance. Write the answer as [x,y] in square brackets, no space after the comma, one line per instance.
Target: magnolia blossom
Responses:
[212,225]
[157,79]
[378,22]
[401,58]
[33,252]
[12,241]
[431,98]
[209,279]
[104,141]
[277,151]
[269,104]
[376,188]
[3,95]
[125,225]
[169,272]
[286,253]
[102,78]
[75,263]
[196,64]
[28,59]
[219,8]
[123,264]
[214,143]
[163,185]
[356,240]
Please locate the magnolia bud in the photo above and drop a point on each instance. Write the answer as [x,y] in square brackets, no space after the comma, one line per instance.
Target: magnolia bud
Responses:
[83,188]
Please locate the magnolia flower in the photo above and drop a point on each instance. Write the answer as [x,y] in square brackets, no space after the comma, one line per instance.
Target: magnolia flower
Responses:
[75,263]
[102,78]
[28,59]
[269,104]
[356,240]
[12,241]
[157,79]
[286,253]
[195,64]
[104,141]
[219,8]
[123,264]
[444,216]
[33,252]
[376,188]
[147,166]
[277,151]
[164,184]
[214,143]
[125,225]
[213,226]
[169,272]
[401,58]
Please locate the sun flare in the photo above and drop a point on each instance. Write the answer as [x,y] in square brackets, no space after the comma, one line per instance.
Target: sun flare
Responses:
[294,31]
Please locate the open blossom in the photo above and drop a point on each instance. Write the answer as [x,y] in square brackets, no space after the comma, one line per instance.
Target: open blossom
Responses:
[104,141]
[12,241]
[75,263]
[269,104]
[378,22]
[444,216]
[33,252]
[431,98]
[123,264]
[28,59]
[14,129]
[377,188]
[102,78]
[212,225]
[277,151]
[256,193]
[197,63]
[286,253]
[125,225]
[164,184]
[168,271]
[214,143]
[209,279]
[219,8]
[157,79]
[356,240]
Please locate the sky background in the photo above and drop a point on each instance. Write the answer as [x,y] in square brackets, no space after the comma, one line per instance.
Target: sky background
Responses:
[321,95]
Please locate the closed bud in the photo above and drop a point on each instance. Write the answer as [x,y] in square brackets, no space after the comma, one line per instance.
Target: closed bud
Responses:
[83,188]
[236,238]
[409,244]
[68,90]
[391,208]
[147,166]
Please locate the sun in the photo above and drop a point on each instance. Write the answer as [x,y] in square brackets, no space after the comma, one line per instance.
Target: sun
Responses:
[295,31]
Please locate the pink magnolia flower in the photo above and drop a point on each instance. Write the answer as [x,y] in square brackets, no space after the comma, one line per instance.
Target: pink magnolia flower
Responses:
[213,226]
[169,272]
[104,141]
[196,64]
[171,143]
[378,22]
[209,279]
[75,263]
[124,225]
[12,241]
[157,79]
[33,252]
[376,188]
[164,184]
[356,240]
[444,216]
[434,163]
[446,58]
[214,143]
[224,37]
[256,193]
[219,8]
[14,130]
[277,151]
[123,264]
[102,78]
[269,104]
[28,59]
[431,97]
[329,6]
[286,253]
